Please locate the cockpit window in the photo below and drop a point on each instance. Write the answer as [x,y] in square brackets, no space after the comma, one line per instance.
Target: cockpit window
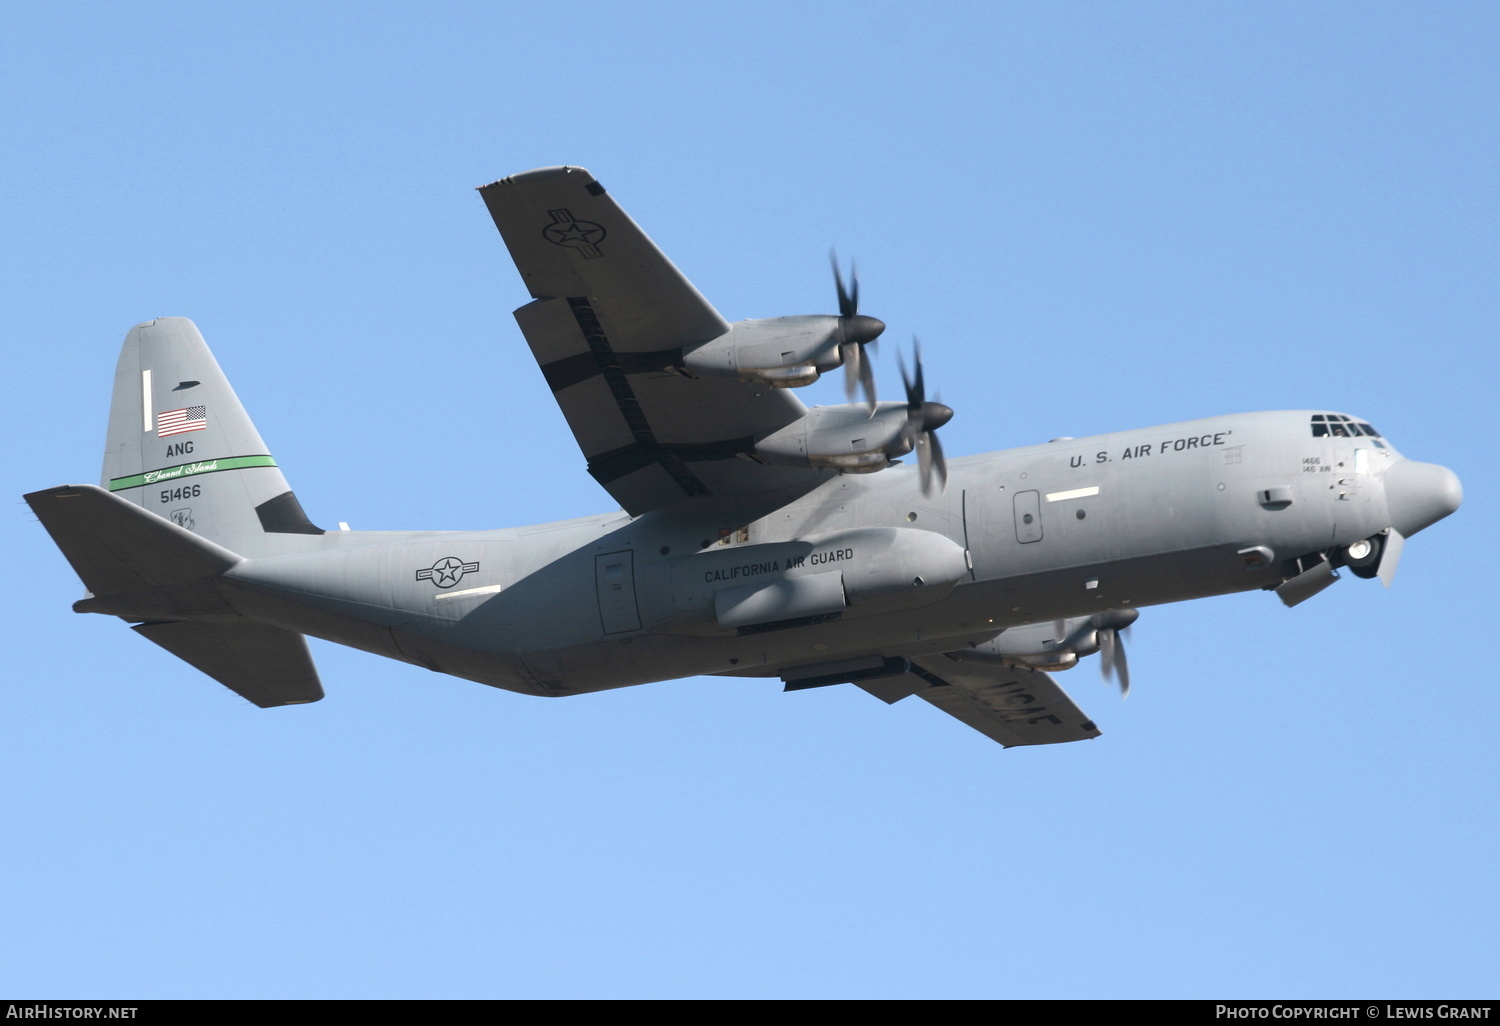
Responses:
[1336,425]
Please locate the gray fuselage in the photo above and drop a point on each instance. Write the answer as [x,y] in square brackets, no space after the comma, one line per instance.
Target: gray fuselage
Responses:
[1067,528]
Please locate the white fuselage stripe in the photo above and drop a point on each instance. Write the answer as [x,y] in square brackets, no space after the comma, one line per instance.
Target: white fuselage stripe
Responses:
[1076,493]
[489,589]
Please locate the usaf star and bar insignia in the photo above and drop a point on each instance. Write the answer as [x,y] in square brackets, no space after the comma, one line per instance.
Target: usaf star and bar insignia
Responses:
[447,572]
[567,230]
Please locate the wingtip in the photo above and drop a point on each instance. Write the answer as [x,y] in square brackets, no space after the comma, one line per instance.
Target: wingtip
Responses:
[541,174]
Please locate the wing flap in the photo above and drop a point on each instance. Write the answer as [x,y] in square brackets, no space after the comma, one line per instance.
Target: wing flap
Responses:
[653,436]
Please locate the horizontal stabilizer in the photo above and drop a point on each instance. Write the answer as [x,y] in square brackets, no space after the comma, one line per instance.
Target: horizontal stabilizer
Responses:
[117,547]
[265,665]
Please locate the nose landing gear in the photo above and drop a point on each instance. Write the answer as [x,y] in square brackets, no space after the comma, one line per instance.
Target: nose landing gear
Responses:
[1363,557]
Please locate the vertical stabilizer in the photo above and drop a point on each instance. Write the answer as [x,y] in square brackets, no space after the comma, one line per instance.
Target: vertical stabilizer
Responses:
[181,446]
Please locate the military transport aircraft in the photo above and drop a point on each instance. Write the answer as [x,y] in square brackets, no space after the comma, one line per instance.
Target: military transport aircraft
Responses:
[756,537]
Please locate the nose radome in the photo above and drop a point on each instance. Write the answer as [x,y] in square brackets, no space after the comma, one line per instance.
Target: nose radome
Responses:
[1418,495]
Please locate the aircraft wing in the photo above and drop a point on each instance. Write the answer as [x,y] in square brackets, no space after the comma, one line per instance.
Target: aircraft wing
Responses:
[610,318]
[1006,704]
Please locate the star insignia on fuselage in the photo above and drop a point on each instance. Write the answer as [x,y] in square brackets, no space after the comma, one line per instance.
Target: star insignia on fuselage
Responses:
[447,572]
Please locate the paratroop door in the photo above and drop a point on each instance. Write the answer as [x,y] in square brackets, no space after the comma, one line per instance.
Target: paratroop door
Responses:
[614,577]
[1028,516]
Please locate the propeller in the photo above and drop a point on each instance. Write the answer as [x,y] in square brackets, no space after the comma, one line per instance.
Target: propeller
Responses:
[1109,626]
[923,418]
[854,333]
[1112,658]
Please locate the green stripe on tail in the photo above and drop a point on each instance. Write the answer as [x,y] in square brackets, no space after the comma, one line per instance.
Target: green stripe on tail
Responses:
[190,470]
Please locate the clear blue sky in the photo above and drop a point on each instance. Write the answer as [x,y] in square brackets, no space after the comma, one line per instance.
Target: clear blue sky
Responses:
[1097,216]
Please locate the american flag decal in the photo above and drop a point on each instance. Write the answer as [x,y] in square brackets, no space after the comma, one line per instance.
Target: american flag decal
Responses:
[175,422]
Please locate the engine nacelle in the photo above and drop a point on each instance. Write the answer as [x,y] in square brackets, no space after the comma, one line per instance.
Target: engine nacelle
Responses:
[783,352]
[844,437]
[1045,646]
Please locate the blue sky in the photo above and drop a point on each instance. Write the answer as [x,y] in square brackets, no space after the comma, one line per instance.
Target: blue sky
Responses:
[1096,216]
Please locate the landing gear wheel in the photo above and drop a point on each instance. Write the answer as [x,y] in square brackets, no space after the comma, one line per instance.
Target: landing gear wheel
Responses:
[1363,557]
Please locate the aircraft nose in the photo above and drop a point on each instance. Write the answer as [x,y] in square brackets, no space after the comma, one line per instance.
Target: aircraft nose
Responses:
[1418,495]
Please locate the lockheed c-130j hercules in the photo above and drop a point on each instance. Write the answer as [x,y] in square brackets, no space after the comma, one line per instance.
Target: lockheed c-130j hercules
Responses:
[756,537]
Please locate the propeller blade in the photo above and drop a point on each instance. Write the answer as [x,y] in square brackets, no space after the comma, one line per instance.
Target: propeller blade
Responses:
[859,372]
[854,360]
[924,460]
[1390,557]
[939,465]
[922,421]
[1112,659]
[854,333]
[867,378]
[848,299]
[1121,668]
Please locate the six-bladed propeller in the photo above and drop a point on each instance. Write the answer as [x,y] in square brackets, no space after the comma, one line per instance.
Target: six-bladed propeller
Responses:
[1099,632]
[855,331]
[1106,628]
[923,418]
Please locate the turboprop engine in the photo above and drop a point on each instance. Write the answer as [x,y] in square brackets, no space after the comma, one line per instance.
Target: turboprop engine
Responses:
[1059,645]
[783,352]
[846,437]
[857,439]
[789,352]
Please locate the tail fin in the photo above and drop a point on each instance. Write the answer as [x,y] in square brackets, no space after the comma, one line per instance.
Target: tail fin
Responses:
[189,488]
[181,446]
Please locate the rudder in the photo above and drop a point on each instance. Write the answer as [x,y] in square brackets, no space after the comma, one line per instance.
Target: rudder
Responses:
[181,445]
